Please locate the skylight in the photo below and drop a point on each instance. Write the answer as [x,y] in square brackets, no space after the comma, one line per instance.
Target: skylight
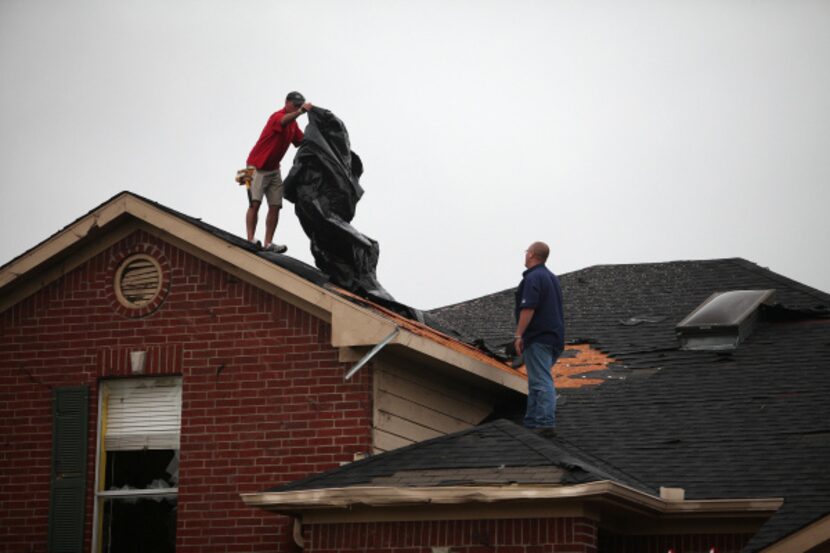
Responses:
[723,320]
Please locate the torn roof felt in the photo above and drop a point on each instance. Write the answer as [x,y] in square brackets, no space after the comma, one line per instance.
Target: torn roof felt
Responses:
[753,422]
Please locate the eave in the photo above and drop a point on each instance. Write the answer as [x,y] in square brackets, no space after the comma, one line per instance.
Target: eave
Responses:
[336,504]
[356,325]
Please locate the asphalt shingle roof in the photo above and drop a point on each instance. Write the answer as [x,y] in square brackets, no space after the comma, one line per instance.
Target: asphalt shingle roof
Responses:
[753,422]
[500,452]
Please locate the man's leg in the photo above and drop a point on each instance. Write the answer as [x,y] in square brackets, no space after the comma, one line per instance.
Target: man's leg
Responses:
[271,221]
[541,394]
[273,192]
[255,193]
[251,219]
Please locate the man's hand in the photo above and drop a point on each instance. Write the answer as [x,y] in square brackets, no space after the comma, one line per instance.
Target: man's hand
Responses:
[306,107]
[525,316]
[517,343]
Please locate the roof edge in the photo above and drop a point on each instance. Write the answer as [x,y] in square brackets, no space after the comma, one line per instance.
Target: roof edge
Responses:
[380,496]
[375,320]
[71,234]
[814,534]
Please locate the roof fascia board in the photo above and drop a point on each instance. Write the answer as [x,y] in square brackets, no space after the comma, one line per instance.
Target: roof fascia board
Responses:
[30,287]
[465,362]
[66,238]
[217,248]
[240,273]
[377,496]
[352,325]
[814,534]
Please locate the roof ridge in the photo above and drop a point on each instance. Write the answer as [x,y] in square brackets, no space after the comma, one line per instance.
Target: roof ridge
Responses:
[670,262]
[466,302]
[772,275]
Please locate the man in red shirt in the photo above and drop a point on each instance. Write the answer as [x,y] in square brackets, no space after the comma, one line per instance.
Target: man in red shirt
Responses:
[280,131]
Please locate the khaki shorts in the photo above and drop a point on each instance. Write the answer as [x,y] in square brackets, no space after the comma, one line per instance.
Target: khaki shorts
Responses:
[268,184]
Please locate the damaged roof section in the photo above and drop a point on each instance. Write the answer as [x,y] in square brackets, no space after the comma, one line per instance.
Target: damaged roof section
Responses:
[630,311]
[499,452]
[499,464]
[360,326]
[753,421]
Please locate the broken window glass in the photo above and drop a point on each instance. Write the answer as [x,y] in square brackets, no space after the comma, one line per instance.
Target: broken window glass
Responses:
[138,472]
[139,524]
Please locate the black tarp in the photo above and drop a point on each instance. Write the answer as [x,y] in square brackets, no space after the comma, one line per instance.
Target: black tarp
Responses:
[324,186]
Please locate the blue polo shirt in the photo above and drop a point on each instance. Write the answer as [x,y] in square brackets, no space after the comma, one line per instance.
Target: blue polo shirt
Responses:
[540,290]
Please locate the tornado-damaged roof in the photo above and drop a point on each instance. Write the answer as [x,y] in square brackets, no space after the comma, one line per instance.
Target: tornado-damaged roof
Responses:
[748,422]
[88,227]
[500,452]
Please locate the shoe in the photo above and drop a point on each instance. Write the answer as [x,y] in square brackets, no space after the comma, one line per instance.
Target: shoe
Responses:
[255,243]
[545,431]
[276,248]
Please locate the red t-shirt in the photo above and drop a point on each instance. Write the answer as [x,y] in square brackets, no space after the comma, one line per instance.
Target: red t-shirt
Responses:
[273,142]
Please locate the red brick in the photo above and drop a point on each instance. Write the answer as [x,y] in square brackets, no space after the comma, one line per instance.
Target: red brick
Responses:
[72,332]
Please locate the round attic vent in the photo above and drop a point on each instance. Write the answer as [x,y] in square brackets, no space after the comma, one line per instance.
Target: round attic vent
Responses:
[137,281]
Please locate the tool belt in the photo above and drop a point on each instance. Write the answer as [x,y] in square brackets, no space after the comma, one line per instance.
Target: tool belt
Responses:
[245,176]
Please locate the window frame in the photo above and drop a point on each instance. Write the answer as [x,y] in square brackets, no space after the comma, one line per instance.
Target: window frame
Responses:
[101,495]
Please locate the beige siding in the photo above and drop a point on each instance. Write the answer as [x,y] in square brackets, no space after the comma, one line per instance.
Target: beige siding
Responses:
[411,407]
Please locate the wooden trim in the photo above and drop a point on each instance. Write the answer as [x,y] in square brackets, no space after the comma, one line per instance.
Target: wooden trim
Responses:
[813,535]
[352,325]
[69,236]
[609,493]
[26,289]
[459,359]
[241,274]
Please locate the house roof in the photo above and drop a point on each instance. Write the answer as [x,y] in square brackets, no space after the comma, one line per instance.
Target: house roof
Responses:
[493,463]
[356,322]
[632,309]
[752,422]
[500,452]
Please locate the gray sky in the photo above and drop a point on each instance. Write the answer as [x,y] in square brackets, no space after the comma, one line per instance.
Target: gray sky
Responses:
[616,131]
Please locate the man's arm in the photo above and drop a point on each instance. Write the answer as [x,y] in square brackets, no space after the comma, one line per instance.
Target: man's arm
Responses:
[289,117]
[525,315]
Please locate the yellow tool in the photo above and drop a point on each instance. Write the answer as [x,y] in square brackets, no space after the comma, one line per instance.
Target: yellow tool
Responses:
[245,176]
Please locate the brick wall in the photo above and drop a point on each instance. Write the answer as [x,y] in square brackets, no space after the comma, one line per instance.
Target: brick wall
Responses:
[543,535]
[687,543]
[263,401]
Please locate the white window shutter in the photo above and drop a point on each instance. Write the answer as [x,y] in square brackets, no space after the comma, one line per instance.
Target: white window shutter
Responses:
[143,414]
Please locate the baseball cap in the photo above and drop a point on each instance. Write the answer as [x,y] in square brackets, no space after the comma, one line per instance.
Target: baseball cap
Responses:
[295,98]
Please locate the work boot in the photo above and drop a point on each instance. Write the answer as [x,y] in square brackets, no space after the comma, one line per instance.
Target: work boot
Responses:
[276,248]
[545,431]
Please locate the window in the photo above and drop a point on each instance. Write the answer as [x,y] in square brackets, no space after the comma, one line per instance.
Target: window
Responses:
[137,470]
[722,321]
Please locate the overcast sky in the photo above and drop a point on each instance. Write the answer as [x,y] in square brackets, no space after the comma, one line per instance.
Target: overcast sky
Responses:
[616,131]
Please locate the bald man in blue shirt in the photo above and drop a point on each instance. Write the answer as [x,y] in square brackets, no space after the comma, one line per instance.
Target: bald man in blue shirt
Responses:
[540,334]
